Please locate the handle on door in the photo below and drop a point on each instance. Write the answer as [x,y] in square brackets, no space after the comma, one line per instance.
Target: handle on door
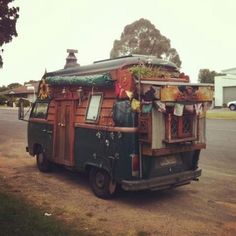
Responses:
[60,124]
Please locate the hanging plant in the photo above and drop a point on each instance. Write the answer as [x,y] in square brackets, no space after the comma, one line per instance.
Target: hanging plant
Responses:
[141,71]
[152,72]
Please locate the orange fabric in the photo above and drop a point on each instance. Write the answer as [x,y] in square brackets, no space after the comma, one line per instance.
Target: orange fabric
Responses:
[124,84]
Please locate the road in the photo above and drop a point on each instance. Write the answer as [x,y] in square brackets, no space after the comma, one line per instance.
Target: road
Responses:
[207,207]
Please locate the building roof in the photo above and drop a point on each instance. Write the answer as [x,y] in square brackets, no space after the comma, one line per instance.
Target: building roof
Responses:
[108,65]
[231,71]
[30,88]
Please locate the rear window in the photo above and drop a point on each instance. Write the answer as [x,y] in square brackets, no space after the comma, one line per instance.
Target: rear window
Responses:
[40,110]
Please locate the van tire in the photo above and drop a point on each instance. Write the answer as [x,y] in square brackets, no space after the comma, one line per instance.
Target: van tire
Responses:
[101,183]
[42,162]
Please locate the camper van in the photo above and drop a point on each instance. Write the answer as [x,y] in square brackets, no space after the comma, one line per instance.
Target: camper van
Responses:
[135,121]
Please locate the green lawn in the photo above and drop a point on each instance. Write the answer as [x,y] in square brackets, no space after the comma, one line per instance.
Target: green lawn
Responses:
[214,114]
[19,218]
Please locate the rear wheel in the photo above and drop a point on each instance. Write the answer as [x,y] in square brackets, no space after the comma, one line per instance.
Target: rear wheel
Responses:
[101,183]
[232,107]
[42,162]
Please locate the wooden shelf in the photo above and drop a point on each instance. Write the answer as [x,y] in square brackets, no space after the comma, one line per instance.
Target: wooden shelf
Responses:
[180,140]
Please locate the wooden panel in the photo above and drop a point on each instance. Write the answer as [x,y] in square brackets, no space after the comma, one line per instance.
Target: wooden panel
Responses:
[51,117]
[64,133]
[80,111]
[109,102]
[106,112]
[79,119]
[84,103]
[106,121]
[51,111]
[145,127]
[109,93]
[148,151]
[105,116]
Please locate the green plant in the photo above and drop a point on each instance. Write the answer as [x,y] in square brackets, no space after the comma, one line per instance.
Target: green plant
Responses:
[143,71]
[3,99]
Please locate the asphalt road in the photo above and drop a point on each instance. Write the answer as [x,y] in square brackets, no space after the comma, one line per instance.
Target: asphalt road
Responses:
[207,207]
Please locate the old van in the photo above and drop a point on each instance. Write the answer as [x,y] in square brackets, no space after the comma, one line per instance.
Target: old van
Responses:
[133,121]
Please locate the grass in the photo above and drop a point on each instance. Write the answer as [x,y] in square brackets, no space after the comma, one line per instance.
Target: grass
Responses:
[19,218]
[228,115]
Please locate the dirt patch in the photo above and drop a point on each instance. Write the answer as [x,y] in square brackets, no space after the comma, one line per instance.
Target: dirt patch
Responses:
[67,195]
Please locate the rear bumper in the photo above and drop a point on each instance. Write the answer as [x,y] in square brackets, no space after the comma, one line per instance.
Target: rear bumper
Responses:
[163,182]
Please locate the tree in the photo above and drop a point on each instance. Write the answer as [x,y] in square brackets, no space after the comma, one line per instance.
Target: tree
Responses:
[142,37]
[207,76]
[8,18]
[13,85]
[31,81]
[3,88]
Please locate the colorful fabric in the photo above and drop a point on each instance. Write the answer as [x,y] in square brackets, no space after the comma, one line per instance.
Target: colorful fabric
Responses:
[135,105]
[124,87]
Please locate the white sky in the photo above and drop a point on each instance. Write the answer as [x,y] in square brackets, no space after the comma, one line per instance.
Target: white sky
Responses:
[202,31]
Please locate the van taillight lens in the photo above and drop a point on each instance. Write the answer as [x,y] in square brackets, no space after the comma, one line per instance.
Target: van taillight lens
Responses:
[135,164]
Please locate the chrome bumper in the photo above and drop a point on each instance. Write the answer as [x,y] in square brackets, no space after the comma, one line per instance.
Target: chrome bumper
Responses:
[163,182]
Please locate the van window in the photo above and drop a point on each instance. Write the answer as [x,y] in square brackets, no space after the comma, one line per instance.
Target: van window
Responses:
[94,106]
[40,110]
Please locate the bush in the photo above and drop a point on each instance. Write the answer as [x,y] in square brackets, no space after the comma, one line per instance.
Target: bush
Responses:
[3,99]
[25,102]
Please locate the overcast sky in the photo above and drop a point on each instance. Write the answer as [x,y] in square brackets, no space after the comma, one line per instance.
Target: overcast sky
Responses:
[202,31]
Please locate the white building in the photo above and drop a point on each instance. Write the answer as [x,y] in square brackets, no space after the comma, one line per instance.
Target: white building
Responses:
[225,87]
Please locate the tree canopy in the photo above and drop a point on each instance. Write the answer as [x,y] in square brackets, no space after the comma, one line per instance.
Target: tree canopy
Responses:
[207,76]
[142,37]
[13,85]
[8,17]
[9,86]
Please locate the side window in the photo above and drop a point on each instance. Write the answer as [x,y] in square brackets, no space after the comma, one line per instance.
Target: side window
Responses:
[94,107]
[40,110]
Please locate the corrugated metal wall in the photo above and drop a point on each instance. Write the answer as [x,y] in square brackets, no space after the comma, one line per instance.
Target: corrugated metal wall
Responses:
[229,94]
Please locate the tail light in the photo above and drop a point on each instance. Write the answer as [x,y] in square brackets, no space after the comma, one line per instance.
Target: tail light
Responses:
[135,165]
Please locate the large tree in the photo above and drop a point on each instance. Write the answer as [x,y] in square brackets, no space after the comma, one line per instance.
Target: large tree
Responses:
[142,37]
[8,17]
[207,76]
